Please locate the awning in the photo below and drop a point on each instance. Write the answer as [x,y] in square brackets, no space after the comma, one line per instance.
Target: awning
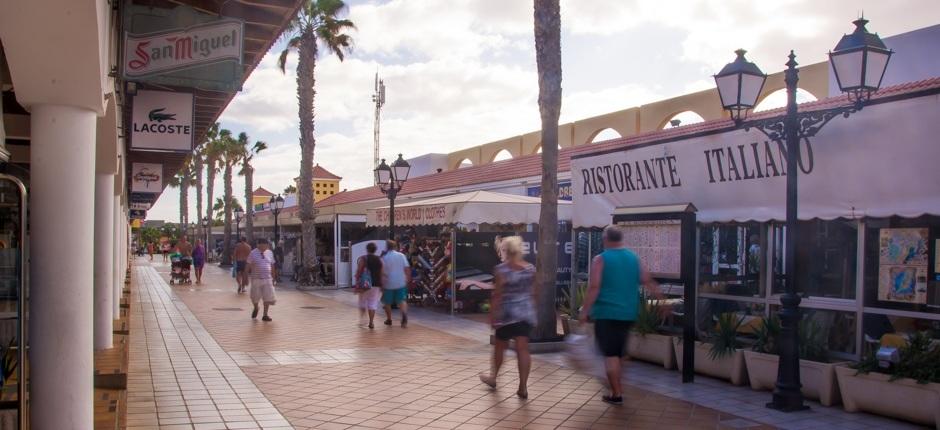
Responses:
[878,162]
[480,207]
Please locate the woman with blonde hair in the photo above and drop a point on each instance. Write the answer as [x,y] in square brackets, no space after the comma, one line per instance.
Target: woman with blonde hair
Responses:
[512,311]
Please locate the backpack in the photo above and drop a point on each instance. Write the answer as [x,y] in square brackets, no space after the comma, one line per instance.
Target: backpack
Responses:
[365,279]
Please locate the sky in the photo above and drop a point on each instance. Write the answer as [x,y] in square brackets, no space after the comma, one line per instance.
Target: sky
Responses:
[460,73]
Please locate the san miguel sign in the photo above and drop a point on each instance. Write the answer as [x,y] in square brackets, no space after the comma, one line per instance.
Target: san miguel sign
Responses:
[162,121]
[167,51]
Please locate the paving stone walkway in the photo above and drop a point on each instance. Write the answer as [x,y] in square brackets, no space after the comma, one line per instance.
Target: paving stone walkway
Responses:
[199,361]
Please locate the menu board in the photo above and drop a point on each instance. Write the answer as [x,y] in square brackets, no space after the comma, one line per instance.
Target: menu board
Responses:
[902,265]
[657,243]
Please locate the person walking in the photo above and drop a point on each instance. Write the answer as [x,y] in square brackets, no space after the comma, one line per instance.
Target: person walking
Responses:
[240,254]
[184,247]
[150,247]
[512,311]
[258,269]
[369,283]
[165,249]
[397,276]
[612,301]
[199,259]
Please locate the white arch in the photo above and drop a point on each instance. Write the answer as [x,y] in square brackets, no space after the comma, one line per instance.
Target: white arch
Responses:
[606,134]
[465,163]
[503,154]
[539,150]
[778,99]
[685,118]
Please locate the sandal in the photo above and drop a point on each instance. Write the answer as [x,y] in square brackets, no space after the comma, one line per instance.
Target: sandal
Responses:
[617,401]
[523,394]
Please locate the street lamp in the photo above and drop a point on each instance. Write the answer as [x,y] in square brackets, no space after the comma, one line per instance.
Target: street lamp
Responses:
[859,62]
[205,228]
[239,212]
[277,203]
[390,181]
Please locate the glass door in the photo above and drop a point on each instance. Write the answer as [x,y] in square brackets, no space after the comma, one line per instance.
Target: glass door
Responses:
[13,304]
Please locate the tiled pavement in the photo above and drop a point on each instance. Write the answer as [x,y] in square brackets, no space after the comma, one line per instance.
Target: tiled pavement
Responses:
[203,363]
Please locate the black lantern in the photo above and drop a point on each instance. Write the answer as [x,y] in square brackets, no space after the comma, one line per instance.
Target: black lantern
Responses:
[859,62]
[390,180]
[401,168]
[739,84]
[383,175]
[239,213]
[276,203]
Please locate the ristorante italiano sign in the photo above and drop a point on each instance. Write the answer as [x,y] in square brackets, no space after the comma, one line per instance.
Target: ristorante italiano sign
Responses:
[166,51]
[162,121]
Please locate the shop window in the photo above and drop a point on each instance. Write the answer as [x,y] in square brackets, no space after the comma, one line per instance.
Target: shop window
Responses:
[710,309]
[892,330]
[838,329]
[588,243]
[826,258]
[902,270]
[730,257]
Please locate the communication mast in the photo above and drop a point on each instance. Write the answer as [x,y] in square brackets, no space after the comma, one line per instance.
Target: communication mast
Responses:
[379,98]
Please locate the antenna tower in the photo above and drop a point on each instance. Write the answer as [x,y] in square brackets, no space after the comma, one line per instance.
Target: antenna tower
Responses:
[379,98]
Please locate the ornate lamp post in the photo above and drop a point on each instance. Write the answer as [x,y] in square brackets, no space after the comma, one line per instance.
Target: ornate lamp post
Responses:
[277,203]
[205,228]
[390,181]
[859,62]
[239,213]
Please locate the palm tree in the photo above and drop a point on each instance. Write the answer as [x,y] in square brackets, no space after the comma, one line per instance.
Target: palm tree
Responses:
[213,149]
[290,189]
[248,154]
[199,162]
[229,155]
[182,180]
[548,60]
[219,208]
[316,22]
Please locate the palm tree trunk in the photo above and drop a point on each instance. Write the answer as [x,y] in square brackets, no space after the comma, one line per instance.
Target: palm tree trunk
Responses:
[548,58]
[198,168]
[184,202]
[249,206]
[305,97]
[210,188]
[227,235]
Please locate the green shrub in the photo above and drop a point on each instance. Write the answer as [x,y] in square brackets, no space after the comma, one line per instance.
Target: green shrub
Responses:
[918,360]
[648,318]
[724,339]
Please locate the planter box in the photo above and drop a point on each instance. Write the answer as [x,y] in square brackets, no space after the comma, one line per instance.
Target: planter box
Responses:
[654,348]
[818,379]
[902,398]
[730,368]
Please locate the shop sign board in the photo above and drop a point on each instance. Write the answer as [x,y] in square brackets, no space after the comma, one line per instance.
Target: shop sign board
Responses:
[162,121]
[139,205]
[136,214]
[879,162]
[182,48]
[146,178]
[416,215]
[564,191]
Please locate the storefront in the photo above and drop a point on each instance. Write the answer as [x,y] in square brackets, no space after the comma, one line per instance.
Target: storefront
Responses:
[869,200]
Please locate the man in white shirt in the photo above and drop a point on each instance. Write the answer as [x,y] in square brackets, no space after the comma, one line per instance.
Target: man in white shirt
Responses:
[396,276]
[259,265]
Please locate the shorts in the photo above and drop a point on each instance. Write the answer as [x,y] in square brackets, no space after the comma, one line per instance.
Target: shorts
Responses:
[370,298]
[514,330]
[240,266]
[612,336]
[398,295]
[262,289]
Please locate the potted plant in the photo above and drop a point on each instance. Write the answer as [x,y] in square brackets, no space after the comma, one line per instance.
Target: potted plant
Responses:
[909,390]
[817,373]
[645,342]
[570,308]
[720,355]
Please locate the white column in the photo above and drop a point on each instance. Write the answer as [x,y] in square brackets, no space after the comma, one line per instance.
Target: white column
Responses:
[62,156]
[116,244]
[104,260]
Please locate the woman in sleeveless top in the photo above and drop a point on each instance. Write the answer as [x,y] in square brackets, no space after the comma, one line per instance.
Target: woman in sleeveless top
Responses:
[512,311]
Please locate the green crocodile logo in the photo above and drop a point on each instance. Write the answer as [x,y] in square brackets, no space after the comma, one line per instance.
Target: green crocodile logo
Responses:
[156,115]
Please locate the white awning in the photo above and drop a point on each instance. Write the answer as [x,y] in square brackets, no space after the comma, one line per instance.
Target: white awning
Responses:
[480,207]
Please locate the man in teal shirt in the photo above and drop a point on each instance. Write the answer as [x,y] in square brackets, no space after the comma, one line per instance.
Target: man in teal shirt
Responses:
[612,301]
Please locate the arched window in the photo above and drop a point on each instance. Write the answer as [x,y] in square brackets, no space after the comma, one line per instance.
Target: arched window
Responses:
[502,155]
[539,150]
[606,134]
[465,163]
[683,118]
[778,99]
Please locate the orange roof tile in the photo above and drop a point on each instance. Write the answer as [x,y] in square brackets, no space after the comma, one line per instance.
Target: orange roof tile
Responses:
[261,192]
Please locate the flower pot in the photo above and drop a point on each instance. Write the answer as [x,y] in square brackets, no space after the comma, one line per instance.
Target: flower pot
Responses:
[902,398]
[730,367]
[818,379]
[651,347]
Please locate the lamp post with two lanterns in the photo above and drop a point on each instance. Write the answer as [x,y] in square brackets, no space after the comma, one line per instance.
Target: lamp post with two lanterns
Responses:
[390,181]
[859,62]
[277,203]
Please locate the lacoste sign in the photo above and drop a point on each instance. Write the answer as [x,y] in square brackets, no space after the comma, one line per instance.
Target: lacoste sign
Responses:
[162,121]
[165,51]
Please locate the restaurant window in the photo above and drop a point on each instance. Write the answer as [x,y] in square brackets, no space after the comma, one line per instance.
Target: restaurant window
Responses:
[826,258]
[588,243]
[837,328]
[730,257]
[710,309]
[901,267]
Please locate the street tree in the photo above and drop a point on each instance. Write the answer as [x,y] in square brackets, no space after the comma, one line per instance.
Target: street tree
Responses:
[317,23]
[248,153]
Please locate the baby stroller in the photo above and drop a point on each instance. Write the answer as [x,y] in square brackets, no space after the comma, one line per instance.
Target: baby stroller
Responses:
[179,269]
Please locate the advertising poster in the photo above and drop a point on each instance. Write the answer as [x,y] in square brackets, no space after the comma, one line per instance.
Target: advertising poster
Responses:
[902,259]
